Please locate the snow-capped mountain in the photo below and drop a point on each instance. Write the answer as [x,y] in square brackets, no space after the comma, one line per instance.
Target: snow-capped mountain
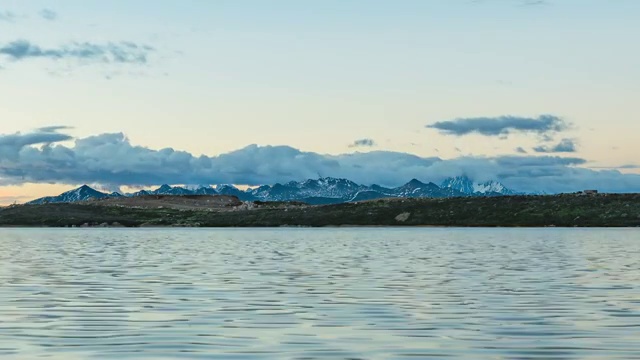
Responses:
[413,189]
[326,188]
[227,189]
[171,190]
[467,186]
[139,193]
[313,191]
[205,190]
[82,193]
[175,190]
[416,188]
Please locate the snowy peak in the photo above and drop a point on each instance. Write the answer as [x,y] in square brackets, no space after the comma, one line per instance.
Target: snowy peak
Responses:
[334,183]
[226,189]
[414,184]
[82,193]
[416,188]
[467,186]
[417,184]
[139,193]
[169,190]
[459,183]
[490,187]
[205,190]
[163,189]
[220,187]
[411,187]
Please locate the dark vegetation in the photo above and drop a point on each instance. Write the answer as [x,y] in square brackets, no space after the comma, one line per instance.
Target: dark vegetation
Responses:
[557,210]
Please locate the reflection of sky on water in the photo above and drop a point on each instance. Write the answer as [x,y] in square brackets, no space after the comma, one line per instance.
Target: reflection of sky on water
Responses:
[369,293]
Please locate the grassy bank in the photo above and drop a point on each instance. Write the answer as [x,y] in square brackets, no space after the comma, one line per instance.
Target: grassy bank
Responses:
[557,210]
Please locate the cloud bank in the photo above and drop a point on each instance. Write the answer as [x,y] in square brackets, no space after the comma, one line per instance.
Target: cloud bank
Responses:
[502,125]
[111,160]
[108,53]
[564,146]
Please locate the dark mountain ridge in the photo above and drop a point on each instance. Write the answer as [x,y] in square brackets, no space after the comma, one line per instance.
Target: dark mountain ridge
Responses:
[312,191]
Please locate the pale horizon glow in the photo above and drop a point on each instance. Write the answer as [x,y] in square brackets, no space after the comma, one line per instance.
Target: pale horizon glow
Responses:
[328,78]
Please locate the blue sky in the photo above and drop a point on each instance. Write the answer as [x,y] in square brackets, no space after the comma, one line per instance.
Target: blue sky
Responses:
[325,78]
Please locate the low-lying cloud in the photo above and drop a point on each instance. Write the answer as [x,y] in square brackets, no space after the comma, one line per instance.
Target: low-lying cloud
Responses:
[564,146]
[7,15]
[534,2]
[111,160]
[622,167]
[501,125]
[53,128]
[48,14]
[363,143]
[108,53]
[9,143]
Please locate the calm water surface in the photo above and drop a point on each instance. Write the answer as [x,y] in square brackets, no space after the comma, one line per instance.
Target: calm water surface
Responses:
[320,293]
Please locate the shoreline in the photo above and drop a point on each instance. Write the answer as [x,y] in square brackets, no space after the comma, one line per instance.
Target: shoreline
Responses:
[562,211]
[345,226]
[323,227]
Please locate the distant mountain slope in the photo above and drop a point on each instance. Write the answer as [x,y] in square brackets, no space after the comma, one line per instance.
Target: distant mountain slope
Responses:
[82,193]
[416,188]
[169,190]
[328,188]
[313,191]
[234,191]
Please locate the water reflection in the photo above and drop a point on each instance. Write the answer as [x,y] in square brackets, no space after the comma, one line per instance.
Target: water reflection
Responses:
[320,293]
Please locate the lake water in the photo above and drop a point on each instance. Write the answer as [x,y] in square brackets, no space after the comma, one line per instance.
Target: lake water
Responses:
[362,293]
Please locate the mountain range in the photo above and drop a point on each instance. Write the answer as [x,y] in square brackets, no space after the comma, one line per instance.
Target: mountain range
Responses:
[312,191]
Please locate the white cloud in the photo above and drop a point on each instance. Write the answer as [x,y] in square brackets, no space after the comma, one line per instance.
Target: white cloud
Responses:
[111,160]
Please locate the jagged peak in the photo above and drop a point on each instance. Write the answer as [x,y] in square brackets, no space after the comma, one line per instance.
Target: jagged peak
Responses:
[224,186]
[466,185]
[334,180]
[323,187]
[414,182]
[82,189]
[201,186]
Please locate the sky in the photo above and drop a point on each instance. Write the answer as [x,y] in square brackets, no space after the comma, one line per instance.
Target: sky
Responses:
[538,94]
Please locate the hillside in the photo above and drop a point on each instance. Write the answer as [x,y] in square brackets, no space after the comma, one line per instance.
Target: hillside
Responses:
[551,210]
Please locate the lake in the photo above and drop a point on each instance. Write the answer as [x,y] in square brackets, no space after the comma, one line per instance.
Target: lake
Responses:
[340,293]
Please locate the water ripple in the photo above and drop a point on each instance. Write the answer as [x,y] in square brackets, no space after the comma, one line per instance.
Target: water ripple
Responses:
[320,293]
